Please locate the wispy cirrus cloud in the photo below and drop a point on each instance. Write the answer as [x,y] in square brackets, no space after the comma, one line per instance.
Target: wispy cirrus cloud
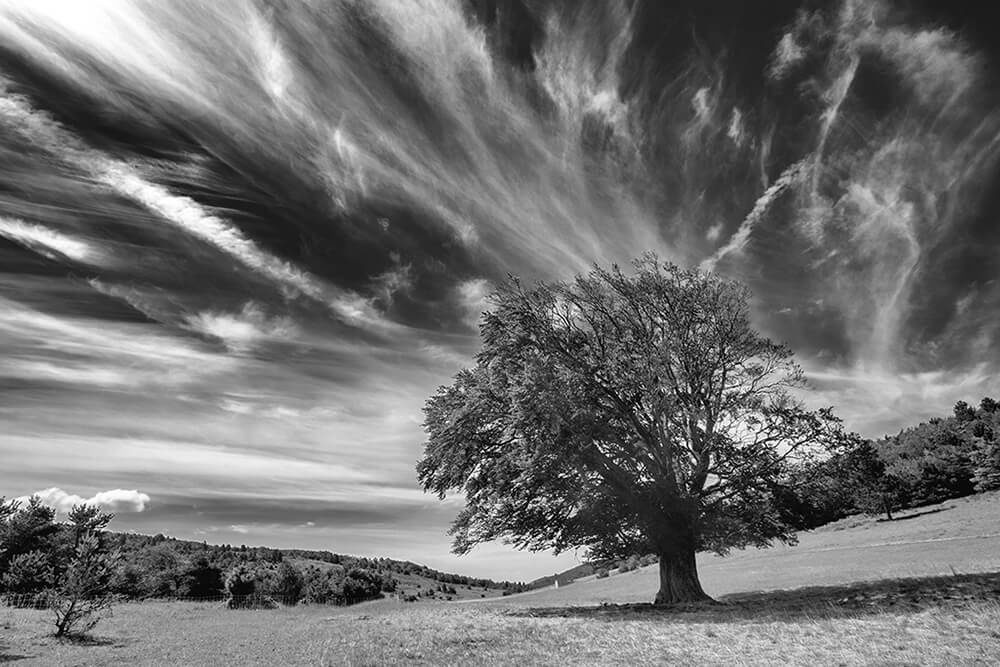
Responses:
[242,272]
[48,242]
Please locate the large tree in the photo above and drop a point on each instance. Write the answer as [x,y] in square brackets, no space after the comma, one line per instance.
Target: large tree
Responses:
[626,413]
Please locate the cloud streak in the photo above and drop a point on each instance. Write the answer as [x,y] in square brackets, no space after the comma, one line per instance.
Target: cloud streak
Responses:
[242,269]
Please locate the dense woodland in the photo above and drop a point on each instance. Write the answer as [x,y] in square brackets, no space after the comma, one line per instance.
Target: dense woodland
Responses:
[946,457]
[943,458]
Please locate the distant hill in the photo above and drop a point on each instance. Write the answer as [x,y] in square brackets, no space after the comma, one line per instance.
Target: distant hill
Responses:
[567,577]
[161,566]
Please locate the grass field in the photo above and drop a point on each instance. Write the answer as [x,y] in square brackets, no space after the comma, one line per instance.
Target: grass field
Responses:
[957,536]
[862,592]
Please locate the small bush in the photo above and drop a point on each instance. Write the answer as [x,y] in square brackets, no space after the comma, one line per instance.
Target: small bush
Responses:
[27,575]
[241,585]
[602,573]
[83,592]
[289,584]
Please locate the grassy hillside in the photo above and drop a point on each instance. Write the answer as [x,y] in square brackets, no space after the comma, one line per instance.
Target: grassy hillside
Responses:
[795,605]
[961,535]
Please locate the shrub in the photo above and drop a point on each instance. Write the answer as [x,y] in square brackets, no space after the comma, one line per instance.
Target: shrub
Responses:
[27,576]
[360,585]
[201,580]
[289,584]
[602,573]
[321,586]
[987,472]
[25,528]
[241,585]
[628,565]
[83,592]
[128,582]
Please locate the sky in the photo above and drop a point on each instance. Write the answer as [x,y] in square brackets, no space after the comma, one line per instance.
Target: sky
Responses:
[241,243]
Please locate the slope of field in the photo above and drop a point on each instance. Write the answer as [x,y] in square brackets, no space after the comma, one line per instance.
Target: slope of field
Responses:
[957,536]
[788,605]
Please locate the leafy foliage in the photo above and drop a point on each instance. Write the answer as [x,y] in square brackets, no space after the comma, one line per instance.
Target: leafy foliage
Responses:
[626,413]
[289,583]
[874,489]
[930,462]
[201,579]
[28,574]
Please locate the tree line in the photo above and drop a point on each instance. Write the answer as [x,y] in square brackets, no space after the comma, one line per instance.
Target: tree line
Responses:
[942,458]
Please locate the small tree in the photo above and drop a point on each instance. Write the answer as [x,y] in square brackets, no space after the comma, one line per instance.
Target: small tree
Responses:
[987,470]
[241,585]
[201,580]
[875,489]
[25,528]
[289,584]
[27,578]
[360,585]
[630,414]
[83,592]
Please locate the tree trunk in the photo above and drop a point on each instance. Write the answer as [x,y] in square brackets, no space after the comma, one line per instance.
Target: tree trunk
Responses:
[679,578]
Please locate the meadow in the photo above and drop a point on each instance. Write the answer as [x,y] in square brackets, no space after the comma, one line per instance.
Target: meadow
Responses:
[924,589]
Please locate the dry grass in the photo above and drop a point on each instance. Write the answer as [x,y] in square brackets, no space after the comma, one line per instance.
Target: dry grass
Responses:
[829,618]
[957,536]
[965,632]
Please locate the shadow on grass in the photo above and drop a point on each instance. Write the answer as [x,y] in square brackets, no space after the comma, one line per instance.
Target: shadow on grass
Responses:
[88,640]
[917,514]
[11,657]
[899,596]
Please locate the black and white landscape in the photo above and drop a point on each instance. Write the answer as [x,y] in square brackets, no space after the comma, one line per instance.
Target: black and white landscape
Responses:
[247,248]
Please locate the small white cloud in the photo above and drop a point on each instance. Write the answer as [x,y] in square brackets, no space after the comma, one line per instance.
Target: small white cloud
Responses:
[700,104]
[243,331]
[114,500]
[472,294]
[714,232]
[120,500]
[238,407]
[736,131]
[237,528]
[397,280]
[788,54]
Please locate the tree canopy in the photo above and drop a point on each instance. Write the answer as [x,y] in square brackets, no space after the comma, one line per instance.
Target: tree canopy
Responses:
[626,413]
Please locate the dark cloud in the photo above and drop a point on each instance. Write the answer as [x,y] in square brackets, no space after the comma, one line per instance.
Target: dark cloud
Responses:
[239,241]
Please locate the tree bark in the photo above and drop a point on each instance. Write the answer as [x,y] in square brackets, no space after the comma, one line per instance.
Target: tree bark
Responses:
[679,578]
